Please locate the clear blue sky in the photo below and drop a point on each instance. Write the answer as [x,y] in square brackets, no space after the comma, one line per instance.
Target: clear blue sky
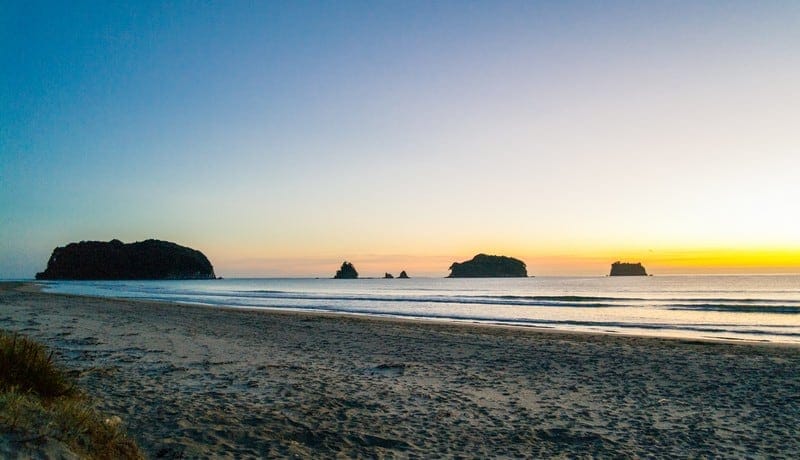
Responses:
[281,138]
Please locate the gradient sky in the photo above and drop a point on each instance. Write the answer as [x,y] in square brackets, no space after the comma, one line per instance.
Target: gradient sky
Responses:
[282,138]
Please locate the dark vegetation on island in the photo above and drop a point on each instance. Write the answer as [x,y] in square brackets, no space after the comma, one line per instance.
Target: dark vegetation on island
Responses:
[485,266]
[627,269]
[115,260]
[347,272]
[39,402]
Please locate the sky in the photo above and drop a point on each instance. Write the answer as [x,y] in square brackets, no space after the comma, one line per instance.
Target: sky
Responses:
[281,138]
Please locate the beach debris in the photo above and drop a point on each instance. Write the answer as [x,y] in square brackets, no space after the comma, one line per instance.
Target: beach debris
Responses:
[113,421]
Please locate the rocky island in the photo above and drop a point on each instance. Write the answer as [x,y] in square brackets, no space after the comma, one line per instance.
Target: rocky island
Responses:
[403,275]
[347,272]
[485,266]
[627,269]
[115,260]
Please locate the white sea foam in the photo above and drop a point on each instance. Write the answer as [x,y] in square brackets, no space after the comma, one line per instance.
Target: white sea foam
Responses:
[761,307]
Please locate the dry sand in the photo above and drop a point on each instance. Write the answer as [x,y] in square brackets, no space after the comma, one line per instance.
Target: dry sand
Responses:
[209,382]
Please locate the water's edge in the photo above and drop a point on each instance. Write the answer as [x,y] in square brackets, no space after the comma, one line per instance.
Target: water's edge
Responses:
[758,309]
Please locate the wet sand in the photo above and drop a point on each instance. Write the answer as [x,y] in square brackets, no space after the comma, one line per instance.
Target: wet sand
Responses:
[193,381]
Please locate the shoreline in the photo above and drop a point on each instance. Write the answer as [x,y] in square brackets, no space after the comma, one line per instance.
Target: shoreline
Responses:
[37,287]
[535,329]
[196,380]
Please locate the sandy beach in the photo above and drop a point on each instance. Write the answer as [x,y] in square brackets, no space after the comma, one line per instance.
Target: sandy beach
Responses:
[191,381]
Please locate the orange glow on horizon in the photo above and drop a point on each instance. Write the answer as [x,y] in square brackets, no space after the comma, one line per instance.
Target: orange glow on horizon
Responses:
[657,262]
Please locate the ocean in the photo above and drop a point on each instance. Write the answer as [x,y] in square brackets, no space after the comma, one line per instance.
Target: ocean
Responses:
[734,307]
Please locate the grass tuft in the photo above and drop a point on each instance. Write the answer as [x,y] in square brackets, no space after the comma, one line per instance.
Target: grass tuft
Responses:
[38,401]
[28,366]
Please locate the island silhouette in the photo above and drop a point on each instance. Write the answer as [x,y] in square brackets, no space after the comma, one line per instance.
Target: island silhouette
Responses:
[627,269]
[115,260]
[487,266]
[346,272]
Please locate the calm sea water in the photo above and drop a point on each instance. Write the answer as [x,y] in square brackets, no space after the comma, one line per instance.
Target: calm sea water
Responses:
[752,308]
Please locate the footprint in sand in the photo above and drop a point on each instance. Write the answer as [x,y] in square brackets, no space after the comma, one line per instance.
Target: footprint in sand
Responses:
[388,370]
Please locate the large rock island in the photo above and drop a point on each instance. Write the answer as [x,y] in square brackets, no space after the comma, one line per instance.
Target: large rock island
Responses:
[115,260]
[484,266]
[627,269]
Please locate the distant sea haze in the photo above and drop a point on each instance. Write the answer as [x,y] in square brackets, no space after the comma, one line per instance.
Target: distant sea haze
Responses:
[733,307]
